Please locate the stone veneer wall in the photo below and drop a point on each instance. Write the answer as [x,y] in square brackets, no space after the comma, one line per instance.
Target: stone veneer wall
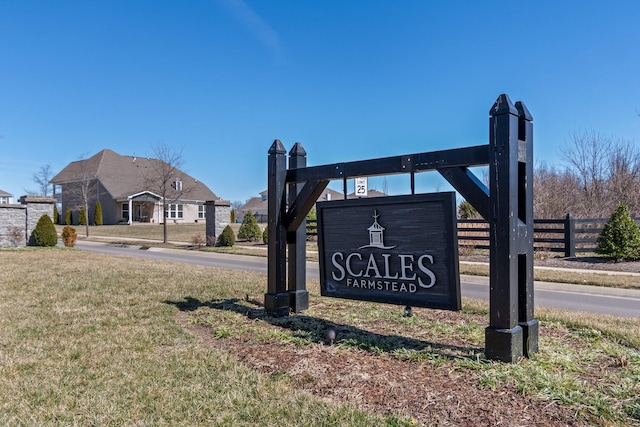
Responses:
[25,216]
[218,217]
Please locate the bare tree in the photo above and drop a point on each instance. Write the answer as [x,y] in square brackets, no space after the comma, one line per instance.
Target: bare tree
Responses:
[555,192]
[599,172]
[82,190]
[42,178]
[165,179]
[624,176]
[587,155]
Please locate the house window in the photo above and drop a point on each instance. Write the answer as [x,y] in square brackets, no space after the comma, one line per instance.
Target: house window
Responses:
[174,211]
[125,211]
[4,200]
[202,212]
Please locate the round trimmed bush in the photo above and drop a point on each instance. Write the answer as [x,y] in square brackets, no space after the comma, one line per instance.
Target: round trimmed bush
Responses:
[45,232]
[227,237]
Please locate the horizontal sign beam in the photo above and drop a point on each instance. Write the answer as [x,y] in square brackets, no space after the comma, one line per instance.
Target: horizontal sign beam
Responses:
[421,162]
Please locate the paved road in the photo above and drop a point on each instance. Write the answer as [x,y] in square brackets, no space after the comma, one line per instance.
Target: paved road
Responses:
[593,299]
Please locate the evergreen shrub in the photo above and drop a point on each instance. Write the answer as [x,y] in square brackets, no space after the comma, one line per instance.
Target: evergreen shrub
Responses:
[56,214]
[82,217]
[227,237]
[467,211]
[620,237]
[45,232]
[312,227]
[249,230]
[67,216]
[97,215]
[265,235]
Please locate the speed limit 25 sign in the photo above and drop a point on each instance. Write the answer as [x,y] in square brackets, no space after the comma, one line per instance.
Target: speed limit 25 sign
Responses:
[361,187]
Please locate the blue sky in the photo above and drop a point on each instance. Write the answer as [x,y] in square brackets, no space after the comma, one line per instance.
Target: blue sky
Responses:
[350,80]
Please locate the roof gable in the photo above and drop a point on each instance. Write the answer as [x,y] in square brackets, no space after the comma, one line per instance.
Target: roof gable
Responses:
[123,176]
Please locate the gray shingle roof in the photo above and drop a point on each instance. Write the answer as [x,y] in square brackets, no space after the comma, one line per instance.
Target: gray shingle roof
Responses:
[123,176]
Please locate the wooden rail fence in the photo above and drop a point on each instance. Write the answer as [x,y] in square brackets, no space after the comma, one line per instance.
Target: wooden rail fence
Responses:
[567,235]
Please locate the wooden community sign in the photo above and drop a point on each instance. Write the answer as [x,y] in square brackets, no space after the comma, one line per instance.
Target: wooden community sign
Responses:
[403,249]
[396,250]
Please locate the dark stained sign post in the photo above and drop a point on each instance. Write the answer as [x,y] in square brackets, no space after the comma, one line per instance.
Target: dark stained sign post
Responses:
[403,249]
[397,250]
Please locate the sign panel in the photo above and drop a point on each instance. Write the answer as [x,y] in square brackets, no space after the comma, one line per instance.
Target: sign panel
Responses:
[361,187]
[396,250]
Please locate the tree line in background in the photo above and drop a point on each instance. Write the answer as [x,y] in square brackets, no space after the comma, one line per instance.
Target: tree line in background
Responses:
[599,173]
[600,178]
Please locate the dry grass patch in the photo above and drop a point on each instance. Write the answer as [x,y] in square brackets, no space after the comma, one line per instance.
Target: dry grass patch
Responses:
[89,339]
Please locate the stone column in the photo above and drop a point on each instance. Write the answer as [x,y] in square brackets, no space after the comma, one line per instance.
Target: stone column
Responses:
[36,206]
[218,217]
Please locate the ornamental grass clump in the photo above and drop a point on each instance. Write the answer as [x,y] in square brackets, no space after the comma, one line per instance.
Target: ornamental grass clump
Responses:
[69,236]
[620,237]
[45,232]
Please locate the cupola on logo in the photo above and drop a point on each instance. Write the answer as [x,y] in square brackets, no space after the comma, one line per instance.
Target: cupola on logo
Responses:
[376,235]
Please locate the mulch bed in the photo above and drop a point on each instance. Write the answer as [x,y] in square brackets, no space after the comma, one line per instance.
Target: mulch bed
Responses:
[434,395]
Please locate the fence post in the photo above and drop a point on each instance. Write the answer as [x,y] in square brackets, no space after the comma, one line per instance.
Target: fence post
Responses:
[525,236]
[276,300]
[297,241]
[512,331]
[569,236]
